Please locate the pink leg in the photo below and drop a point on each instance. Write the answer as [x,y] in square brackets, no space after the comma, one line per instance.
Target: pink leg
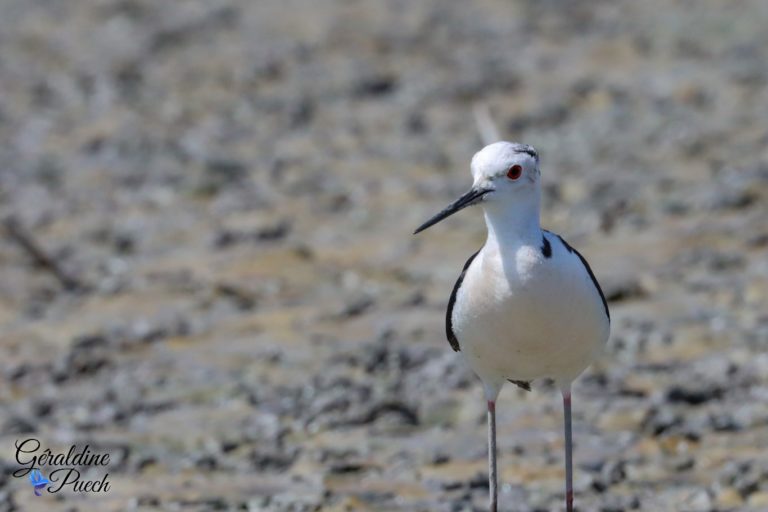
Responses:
[492,474]
[568,449]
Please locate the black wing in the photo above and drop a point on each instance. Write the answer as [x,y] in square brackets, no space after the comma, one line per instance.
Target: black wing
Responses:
[448,323]
[589,271]
[522,384]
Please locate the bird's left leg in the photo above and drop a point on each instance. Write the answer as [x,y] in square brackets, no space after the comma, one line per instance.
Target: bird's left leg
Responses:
[568,448]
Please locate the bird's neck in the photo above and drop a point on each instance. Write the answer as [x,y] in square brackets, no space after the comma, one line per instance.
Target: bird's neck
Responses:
[514,224]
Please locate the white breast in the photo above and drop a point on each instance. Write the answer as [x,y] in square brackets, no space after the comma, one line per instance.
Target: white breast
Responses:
[522,316]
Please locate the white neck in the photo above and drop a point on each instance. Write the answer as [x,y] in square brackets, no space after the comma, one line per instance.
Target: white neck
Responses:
[514,222]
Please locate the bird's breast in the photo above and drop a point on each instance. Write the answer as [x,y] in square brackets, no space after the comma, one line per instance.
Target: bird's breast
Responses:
[524,316]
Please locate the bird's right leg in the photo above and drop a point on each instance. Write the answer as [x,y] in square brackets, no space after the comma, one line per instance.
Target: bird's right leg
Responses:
[492,473]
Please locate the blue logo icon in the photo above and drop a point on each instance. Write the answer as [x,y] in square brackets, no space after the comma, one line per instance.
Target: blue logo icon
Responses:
[38,481]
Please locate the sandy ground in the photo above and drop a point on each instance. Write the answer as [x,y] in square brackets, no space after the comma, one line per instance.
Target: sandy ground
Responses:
[241,317]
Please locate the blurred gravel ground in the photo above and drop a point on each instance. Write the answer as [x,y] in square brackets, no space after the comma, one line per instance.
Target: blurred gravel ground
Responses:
[233,185]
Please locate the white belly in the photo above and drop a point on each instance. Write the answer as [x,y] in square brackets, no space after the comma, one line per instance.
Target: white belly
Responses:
[531,318]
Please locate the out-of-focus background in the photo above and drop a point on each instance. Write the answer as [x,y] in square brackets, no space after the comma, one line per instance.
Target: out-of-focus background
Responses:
[207,268]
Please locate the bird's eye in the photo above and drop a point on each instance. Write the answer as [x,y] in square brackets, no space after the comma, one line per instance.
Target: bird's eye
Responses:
[515,172]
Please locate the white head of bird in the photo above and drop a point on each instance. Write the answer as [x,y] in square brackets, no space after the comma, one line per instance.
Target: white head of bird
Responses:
[506,181]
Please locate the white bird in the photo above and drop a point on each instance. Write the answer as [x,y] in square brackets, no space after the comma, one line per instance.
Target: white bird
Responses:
[526,305]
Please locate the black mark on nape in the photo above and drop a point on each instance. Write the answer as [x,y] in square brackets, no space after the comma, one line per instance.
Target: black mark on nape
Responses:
[452,339]
[546,247]
[528,150]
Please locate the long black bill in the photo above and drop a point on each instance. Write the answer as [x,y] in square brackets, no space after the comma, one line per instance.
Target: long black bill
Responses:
[467,199]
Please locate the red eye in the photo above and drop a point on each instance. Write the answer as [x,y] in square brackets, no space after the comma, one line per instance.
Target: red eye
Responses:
[515,172]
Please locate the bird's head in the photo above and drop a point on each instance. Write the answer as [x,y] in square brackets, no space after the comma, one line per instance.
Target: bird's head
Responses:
[502,172]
